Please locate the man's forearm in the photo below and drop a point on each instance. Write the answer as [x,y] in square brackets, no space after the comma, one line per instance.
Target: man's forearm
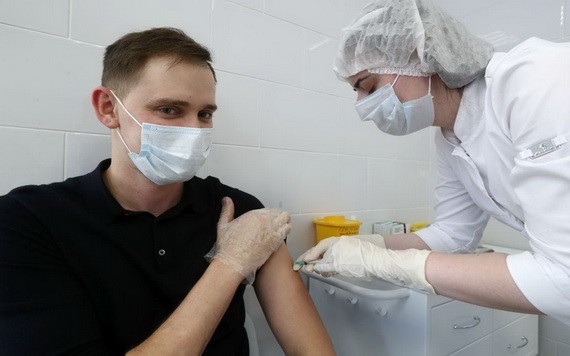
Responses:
[481,279]
[189,329]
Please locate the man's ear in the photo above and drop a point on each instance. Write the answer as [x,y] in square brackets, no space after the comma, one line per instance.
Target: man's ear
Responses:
[104,104]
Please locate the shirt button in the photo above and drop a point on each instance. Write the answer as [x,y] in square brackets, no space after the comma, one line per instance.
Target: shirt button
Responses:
[161,252]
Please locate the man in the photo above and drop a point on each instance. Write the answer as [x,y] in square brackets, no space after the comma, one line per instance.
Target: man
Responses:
[113,262]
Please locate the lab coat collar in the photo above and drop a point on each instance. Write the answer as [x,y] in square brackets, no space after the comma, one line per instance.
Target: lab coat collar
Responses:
[470,116]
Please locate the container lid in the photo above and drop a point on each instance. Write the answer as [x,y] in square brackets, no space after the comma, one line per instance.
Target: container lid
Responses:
[418,225]
[336,220]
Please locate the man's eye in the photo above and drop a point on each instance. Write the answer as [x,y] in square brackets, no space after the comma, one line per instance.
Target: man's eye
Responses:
[206,115]
[168,110]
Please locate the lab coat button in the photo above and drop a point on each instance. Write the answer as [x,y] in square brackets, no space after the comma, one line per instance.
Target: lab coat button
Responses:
[161,252]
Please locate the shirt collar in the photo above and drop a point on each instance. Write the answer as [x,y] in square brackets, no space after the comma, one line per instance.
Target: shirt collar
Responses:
[195,196]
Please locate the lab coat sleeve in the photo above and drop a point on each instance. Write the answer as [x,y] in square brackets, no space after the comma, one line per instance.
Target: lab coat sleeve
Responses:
[459,223]
[529,97]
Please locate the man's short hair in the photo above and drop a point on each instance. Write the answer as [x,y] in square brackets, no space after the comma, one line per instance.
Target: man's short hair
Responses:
[127,57]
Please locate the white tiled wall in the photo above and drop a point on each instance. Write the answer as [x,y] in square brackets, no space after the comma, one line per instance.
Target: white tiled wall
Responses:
[30,156]
[554,337]
[286,130]
[102,22]
[46,16]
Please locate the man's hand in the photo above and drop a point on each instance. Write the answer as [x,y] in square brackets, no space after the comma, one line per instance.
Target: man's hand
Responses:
[244,244]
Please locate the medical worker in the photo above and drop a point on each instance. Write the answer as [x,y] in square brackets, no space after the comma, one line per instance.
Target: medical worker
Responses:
[502,151]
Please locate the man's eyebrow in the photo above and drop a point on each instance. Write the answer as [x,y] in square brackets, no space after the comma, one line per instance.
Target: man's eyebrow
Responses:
[174,102]
[357,84]
[165,101]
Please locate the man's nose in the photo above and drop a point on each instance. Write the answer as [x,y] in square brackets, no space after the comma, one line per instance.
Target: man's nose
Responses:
[193,120]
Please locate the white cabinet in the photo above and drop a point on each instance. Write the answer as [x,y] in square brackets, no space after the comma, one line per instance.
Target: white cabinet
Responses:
[481,347]
[378,318]
[456,324]
[517,338]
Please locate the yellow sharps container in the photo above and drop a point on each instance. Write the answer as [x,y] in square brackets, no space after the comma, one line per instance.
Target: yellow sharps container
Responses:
[418,225]
[336,225]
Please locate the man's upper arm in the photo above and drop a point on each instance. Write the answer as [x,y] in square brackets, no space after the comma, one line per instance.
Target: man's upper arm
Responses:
[286,304]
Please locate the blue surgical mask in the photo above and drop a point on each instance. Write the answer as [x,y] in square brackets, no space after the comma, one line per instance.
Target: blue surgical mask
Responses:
[169,154]
[394,117]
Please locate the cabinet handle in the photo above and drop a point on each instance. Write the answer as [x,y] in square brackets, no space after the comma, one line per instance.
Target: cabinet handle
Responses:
[381,311]
[524,343]
[352,300]
[477,321]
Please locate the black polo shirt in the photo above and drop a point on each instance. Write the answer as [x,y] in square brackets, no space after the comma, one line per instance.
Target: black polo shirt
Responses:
[81,275]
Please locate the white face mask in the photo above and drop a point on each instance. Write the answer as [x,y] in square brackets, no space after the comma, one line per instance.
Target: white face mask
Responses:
[169,154]
[394,117]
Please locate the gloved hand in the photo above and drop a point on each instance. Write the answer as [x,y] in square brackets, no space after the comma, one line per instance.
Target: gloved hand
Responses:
[244,244]
[319,250]
[359,258]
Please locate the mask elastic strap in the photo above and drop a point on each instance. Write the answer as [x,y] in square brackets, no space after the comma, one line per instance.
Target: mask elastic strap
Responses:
[394,82]
[124,108]
[122,140]
[132,117]
[429,83]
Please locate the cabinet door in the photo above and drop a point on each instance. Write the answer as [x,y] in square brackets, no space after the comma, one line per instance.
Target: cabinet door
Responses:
[483,347]
[518,338]
[457,324]
[502,318]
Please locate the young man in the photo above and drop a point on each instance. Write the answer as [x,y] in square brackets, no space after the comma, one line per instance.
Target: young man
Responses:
[113,262]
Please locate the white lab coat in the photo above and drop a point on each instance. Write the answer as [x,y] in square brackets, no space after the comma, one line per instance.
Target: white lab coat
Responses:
[484,169]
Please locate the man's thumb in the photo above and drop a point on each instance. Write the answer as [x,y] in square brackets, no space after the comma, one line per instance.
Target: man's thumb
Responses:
[227,213]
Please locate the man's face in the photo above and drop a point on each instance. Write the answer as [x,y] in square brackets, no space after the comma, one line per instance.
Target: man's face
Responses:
[171,95]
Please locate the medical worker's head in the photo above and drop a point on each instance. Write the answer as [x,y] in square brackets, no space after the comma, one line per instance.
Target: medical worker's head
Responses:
[412,46]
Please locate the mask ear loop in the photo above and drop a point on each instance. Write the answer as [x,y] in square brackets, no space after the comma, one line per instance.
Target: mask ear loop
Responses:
[394,82]
[132,117]
[124,108]
[122,140]
[429,83]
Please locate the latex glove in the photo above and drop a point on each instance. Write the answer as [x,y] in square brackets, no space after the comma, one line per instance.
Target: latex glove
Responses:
[244,244]
[359,258]
[307,259]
